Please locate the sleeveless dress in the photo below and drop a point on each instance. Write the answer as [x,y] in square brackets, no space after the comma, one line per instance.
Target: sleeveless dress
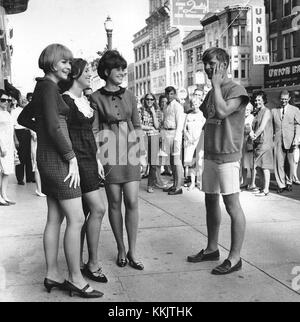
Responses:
[263,145]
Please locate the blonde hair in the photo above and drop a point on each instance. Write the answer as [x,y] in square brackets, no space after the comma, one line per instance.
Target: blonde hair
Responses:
[51,55]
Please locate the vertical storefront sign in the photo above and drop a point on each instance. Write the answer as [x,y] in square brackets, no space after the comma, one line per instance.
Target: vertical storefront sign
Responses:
[260,54]
[187,13]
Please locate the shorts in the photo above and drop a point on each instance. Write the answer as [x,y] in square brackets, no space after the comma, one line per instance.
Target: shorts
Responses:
[221,178]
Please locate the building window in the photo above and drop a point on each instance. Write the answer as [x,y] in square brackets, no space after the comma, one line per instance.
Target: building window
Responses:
[287,46]
[144,52]
[137,89]
[190,79]
[136,55]
[174,77]
[140,53]
[144,70]
[148,68]
[148,49]
[273,43]
[181,79]
[235,36]
[136,72]
[243,36]
[180,53]
[244,66]
[149,87]
[140,70]
[273,10]
[190,56]
[224,42]
[217,42]
[199,53]
[287,7]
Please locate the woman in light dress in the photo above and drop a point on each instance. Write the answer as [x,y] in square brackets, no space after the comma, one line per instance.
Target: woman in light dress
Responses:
[194,143]
[7,148]
[247,156]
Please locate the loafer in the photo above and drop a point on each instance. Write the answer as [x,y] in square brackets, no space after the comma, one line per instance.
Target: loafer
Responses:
[201,257]
[175,192]
[227,268]
[289,187]
[96,276]
[168,189]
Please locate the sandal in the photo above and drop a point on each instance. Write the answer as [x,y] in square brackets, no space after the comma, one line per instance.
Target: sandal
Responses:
[150,190]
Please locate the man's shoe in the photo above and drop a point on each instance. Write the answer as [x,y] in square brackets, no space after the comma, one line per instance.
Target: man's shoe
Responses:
[160,186]
[225,268]
[21,183]
[289,187]
[297,182]
[175,192]
[201,257]
[280,190]
[168,189]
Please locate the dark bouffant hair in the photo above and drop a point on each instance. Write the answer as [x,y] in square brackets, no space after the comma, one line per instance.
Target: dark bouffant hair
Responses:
[170,89]
[111,59]
[262,94]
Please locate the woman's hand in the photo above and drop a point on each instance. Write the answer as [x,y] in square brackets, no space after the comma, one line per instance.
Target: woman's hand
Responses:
[101,170]
[73,174]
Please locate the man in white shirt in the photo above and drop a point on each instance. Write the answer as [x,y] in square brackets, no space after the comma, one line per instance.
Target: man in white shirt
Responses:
[172,131]
[24,149]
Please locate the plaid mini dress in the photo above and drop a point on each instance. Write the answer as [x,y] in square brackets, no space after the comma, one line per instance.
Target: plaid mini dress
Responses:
[84,145]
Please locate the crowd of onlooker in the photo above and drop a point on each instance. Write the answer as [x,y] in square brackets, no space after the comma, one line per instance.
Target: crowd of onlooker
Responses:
[271,142]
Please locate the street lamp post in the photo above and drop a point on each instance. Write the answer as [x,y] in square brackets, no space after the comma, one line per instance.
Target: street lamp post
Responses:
[108,24]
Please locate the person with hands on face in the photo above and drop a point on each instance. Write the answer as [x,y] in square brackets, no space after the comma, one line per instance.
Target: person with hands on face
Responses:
[58,167]
[80,120]
[224,110]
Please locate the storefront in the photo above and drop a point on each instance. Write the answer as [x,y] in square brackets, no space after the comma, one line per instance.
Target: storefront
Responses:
[282,76]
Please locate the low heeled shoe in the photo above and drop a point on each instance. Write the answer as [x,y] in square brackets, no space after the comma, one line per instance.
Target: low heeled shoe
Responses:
[136,265]
[201,257]
[50,284]
[96,276]
[74,290]
[227,268]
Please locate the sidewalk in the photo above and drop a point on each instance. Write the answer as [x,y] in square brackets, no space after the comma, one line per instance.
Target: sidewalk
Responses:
[171,227]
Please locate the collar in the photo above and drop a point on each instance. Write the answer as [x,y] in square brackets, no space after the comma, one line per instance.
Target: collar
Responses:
[118,93]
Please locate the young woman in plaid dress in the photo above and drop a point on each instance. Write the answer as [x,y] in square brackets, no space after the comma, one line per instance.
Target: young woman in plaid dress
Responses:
[80,119]
[58,169]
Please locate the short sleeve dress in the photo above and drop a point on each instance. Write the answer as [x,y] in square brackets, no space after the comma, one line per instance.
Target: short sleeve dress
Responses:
[54,147]
[119,135]
[80,120]
[7,142]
